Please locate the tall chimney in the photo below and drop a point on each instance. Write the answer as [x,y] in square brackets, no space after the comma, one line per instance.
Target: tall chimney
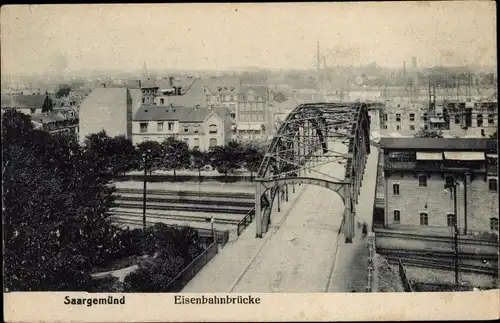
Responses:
[317,57]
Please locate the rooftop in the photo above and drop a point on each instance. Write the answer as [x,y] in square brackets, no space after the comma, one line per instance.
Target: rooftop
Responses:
[107,95]
[177,113]
[458,144]
[23,101]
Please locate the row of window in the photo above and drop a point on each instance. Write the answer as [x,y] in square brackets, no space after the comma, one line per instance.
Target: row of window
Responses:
[450,219]
[159,127]
[422,182]
[479,119]
[252,107]
[252,117]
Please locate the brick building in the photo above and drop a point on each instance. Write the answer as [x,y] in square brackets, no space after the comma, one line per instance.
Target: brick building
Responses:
[414,174]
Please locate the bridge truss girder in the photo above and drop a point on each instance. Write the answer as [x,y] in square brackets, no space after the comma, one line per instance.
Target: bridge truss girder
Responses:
[301,144]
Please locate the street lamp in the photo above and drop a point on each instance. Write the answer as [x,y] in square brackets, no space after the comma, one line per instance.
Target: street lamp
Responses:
[452,183]
[145,159]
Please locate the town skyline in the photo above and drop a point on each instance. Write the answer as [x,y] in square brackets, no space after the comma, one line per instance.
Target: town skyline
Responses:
[439,34]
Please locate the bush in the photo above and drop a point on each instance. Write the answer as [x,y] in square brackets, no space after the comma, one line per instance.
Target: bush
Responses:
[106,284]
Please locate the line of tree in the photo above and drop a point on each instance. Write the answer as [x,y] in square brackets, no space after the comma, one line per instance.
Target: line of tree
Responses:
[55,203]
[119,155]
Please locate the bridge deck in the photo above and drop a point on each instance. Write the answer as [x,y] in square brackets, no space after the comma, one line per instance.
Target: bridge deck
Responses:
[299,252]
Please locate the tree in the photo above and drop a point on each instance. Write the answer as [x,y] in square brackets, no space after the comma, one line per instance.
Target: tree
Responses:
[122,157]
[54,209]
[155,152]
[48,105]
[226,159]
[176,154]
[253,158]
[423,133]
[198,160]
[494,136]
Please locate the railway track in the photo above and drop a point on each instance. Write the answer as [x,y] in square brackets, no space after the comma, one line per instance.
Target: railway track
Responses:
[186,193]
[193,200]
[186,208]
[415,236]
[131,216]
[443,265]
[436,254]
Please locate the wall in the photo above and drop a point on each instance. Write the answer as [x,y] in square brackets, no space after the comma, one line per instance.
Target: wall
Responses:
[482,203]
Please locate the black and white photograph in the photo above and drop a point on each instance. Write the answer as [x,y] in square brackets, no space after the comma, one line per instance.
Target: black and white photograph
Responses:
[239,149]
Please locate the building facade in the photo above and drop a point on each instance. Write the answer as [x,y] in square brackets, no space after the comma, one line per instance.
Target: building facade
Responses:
[108,109]
[415,171]
[200,127]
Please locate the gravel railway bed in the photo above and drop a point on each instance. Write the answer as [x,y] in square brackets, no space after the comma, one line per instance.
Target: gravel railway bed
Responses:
[191,217]
[443,265]
[437,254]
[193,193]
[387,234]
[185,207]
[192,200]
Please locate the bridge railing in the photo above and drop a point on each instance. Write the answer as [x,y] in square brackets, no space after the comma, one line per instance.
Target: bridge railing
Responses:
[402,273]
[247,219]
[183,278]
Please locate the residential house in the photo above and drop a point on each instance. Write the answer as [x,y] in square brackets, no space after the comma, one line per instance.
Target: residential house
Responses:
[254,120]
[55,123]
[27,104]
[200,127]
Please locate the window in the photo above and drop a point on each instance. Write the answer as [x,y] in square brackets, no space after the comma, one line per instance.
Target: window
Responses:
[159,126]
[196,130]
[143,100]
[385,126]
[412,127]
[397,216]
[425,117]
[492,184]
[395,189]
[196,143]
[457,119]
[261,117]
[170,126]
[494,224]
[422,181]
[491,119]
[212,128]
[426,127]
[254,117]
[162,101]
[212,142]
[424,219]
[398,127]
[479,120]
[144,127]
[186,129]
[385,117]
[450,219]
[398,117]
[412,116]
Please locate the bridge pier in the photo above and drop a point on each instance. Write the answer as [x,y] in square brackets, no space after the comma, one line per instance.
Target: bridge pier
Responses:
[348,215]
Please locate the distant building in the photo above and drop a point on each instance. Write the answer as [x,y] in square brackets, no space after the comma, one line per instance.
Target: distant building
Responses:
[108,109]
[200,127]
[412,180]
[27,104]
[254,118]
[55,123]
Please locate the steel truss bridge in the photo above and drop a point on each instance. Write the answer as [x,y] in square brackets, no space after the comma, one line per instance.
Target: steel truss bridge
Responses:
[301,144]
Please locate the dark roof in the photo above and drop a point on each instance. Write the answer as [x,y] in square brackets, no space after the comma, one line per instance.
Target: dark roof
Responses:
[46,118]
[23,101]
[193,96]
[180,113]
[463,144]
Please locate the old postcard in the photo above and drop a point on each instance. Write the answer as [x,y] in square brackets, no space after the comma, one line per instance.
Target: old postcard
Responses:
[250,162]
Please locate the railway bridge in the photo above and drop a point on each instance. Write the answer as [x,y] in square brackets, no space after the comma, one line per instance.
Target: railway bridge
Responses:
[302,144]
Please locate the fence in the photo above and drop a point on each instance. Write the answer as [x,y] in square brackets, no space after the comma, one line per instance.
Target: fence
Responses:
[247,219]
[181,280]
[371,262]
[406,282]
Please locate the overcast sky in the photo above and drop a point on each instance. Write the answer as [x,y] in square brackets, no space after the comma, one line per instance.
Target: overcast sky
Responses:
[222,36]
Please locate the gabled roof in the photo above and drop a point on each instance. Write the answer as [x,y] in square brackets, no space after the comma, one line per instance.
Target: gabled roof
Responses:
[458,144]
[193,96]
[23,101]
[176,113]
[259,90]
